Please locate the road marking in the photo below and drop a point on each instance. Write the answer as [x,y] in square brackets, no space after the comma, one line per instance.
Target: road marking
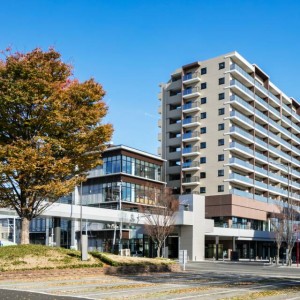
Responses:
[210,294]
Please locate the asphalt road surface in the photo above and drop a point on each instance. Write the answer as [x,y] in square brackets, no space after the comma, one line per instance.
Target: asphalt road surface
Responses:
[205,280]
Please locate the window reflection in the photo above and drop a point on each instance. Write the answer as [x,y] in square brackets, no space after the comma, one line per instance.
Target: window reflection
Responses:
[130,166]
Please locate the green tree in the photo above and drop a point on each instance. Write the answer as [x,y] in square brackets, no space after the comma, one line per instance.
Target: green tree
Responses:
[49,123]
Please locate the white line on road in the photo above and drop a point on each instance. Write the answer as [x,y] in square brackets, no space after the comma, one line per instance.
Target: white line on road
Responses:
[210,294]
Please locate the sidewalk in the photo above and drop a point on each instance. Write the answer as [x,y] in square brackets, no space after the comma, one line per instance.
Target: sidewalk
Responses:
[264,262]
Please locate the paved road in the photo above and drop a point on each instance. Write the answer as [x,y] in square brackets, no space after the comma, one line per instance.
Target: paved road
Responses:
[205,281]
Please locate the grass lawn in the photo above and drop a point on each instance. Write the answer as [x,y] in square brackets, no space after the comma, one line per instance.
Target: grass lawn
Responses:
[31,257]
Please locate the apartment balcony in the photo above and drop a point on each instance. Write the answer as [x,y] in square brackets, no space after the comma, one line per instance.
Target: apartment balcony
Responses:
[241,134]
[249,195]
[238,88]
[191,151]
[159,137]
[159,110]
[194,180]
[243,105]
[240,179]
[244,121]
[191,92]
[191,78]
[266,93]
[159,123]
[241,74]
[191,136]
[159,96]
[241,149]
[238,163]
[262,104]
[191,122]
[159,151]
[191,166]
[191,107]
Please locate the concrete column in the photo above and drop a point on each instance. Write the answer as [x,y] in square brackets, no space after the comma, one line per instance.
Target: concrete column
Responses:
[233,244]
[57,231]
[47,231]
[192,237]
[217,248]
[74,228]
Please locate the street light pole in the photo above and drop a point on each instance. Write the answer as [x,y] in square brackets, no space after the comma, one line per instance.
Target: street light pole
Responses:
[80,203]
[120,208]
[83,240]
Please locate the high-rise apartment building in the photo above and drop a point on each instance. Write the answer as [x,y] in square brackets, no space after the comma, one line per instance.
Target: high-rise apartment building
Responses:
[227,132]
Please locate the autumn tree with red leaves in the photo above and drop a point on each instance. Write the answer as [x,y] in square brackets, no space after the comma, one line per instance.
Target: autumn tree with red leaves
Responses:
[49,123]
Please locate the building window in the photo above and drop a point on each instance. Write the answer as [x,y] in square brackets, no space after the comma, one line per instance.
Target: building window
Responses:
[203,160]
[220,188]
[221,80]
[203,71]
[173,135]
[203,85]
[176,106]
[221,96]
[202,174]
[174,163]
[176,78]
[221,111]
[221,65]
[202,190]
[203,115]
[174,92]
[203,145]
[203,130]
[221,173]
[221,126]
[220,142]
[174,177]
[221,157]
[203,100]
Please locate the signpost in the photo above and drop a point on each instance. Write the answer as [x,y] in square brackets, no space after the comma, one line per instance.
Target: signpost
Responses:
[183,258]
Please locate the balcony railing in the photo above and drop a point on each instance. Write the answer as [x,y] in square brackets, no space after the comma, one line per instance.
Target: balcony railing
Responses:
[241,102]
[191,179]
[191,164]
[190,76]
[190,135]
[191,120]
[191,105]
[241,71]
[189,91]
[235,129]
[242,87]
[190,150]
[241,178]
[242,117]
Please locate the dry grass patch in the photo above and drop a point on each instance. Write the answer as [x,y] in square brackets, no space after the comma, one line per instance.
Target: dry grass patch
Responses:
[117,260]
[29,257]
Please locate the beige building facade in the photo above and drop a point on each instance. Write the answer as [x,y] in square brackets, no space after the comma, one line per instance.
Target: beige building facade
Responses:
[228,133]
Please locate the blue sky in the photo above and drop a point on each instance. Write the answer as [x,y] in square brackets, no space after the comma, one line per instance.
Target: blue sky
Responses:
[131,46]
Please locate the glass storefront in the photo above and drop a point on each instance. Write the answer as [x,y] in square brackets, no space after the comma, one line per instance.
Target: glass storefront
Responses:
[131,166]
[94,194]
